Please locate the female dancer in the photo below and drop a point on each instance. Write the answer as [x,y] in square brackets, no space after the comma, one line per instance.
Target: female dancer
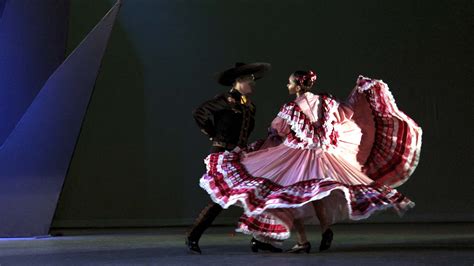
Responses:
[336,159]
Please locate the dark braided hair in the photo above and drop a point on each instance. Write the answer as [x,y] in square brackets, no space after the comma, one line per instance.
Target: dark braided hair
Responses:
[305,79]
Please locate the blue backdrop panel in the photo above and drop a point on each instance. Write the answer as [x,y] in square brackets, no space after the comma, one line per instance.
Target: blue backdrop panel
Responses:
[33,36]
[2,7]
[35,157]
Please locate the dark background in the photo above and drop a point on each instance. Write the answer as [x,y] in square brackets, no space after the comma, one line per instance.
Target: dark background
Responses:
[139,155]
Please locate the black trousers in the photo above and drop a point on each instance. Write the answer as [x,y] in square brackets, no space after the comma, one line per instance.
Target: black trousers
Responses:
[204,220]
[207,215]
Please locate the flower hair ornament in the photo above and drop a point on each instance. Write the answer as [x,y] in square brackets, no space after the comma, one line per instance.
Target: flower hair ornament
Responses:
[307,79]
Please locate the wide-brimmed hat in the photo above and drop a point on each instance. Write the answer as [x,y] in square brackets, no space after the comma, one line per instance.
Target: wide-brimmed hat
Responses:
[228,77]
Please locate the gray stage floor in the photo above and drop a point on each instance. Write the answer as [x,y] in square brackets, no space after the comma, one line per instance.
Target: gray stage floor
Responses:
[354,244]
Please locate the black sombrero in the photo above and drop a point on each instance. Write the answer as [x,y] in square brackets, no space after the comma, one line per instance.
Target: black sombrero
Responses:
[228,77]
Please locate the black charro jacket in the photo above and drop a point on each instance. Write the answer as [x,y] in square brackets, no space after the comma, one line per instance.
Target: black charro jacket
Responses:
[226,119]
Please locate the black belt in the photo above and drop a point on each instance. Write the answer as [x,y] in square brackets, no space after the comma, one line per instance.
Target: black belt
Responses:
[225,145]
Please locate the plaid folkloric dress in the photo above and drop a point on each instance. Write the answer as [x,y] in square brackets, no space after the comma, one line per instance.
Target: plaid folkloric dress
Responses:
[350,155]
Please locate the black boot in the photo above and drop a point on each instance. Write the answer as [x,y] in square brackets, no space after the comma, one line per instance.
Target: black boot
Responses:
[326,240]
[193,246]
[204,220]
[298,248]
[256,245]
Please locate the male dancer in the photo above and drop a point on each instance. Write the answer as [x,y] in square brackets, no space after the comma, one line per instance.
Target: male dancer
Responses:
[228,120]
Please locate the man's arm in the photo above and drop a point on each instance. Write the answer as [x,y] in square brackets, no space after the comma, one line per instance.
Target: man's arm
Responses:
[204,115]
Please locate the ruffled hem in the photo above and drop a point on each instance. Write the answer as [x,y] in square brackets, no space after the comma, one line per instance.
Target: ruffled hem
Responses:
[228,183]
[265,227]
[268,228]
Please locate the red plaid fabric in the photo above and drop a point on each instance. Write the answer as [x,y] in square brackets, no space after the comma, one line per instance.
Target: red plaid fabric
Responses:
[265,227]
[396,149]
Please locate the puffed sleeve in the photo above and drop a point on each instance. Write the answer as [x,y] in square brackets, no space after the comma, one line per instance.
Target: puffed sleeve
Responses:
[280,126]
[276,133]
[343,112]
